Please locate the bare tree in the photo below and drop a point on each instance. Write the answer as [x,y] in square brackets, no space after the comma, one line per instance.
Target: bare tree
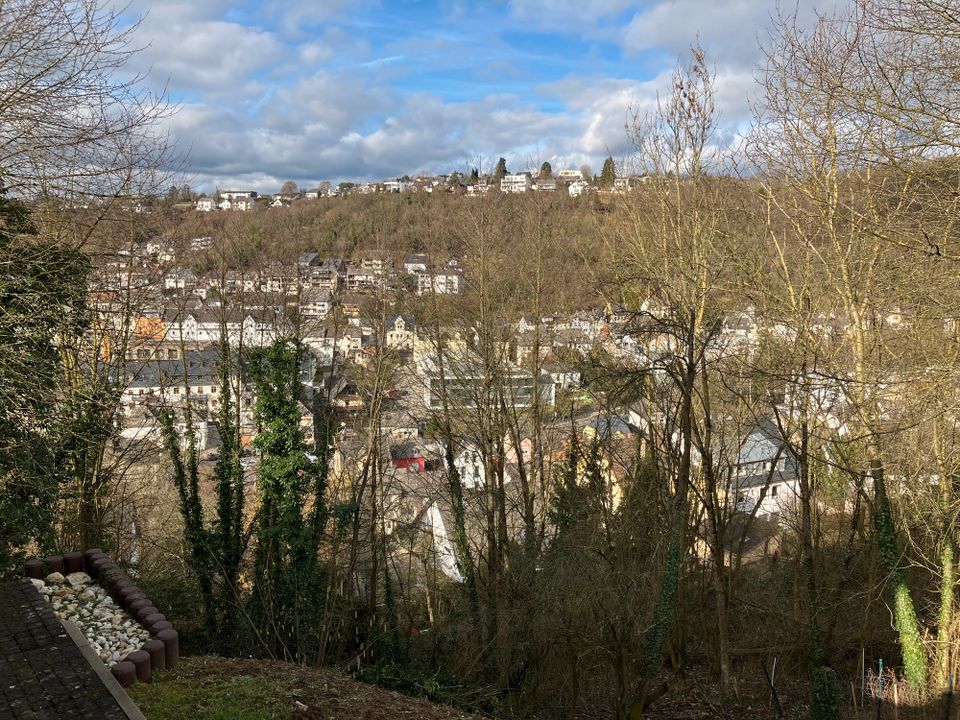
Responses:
[670,271]
[75,120]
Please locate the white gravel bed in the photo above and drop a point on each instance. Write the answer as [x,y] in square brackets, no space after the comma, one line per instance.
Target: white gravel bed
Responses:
[111,632]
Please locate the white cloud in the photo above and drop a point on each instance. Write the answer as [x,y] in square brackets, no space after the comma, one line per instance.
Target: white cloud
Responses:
[726,28]
[210,55]
[730,31]
[314,53]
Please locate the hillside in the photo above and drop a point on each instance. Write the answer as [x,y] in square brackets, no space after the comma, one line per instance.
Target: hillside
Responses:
[244,689]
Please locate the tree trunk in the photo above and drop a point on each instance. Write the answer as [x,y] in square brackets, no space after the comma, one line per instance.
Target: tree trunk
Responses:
[904,612]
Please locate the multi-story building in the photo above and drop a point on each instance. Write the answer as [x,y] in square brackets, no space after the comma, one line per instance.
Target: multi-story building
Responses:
[314,303]
[520,182]
[465,380]
[441,283]
[397,186]
[413,264]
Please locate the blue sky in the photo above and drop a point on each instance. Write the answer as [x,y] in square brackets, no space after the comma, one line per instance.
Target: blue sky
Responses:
[329,89]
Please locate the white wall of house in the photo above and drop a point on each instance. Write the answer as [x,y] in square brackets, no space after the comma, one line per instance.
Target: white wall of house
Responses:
[469,465]
[515,183]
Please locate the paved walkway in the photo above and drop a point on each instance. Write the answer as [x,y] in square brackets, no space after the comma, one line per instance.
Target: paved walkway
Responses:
[43,674]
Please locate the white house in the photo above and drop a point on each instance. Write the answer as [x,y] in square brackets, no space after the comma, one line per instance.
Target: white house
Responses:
[325,276]
[314,303]
[629,182]
[397,186]
[766,474]
[444,283]
[470,467]
[205,329]
[321,347]
[400,333]
[578,188]
[569,175]
[238,194]
[360,278]
[519,182]
[244,203]
[160,382]
[179,279]
[413,264]
[477,190]
[206,204]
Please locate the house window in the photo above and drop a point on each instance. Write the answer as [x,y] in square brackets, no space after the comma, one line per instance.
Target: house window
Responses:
[773,490]
[741,498]
[171,354]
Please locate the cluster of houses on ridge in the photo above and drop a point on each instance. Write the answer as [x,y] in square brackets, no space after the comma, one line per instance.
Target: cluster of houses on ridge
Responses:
[571,181]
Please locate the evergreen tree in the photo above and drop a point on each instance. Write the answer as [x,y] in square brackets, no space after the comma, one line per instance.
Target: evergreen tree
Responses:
[566,500]
[499,171]
[609,173]
[42,307]
[546,170]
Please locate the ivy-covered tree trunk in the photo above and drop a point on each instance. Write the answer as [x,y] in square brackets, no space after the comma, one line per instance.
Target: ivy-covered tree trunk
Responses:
[655,642]
[288,585]
[948,581]
[904,612]
[948,562]
[217,546]
[228,532]
[186,478]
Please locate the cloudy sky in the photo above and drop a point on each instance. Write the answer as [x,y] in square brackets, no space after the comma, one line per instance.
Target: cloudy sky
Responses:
[311,90]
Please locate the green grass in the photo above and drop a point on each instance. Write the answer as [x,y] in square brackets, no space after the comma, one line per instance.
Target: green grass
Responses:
[218,688]
[237,698]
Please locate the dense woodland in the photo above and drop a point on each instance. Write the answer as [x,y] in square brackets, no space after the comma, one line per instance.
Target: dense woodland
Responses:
[599,575]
